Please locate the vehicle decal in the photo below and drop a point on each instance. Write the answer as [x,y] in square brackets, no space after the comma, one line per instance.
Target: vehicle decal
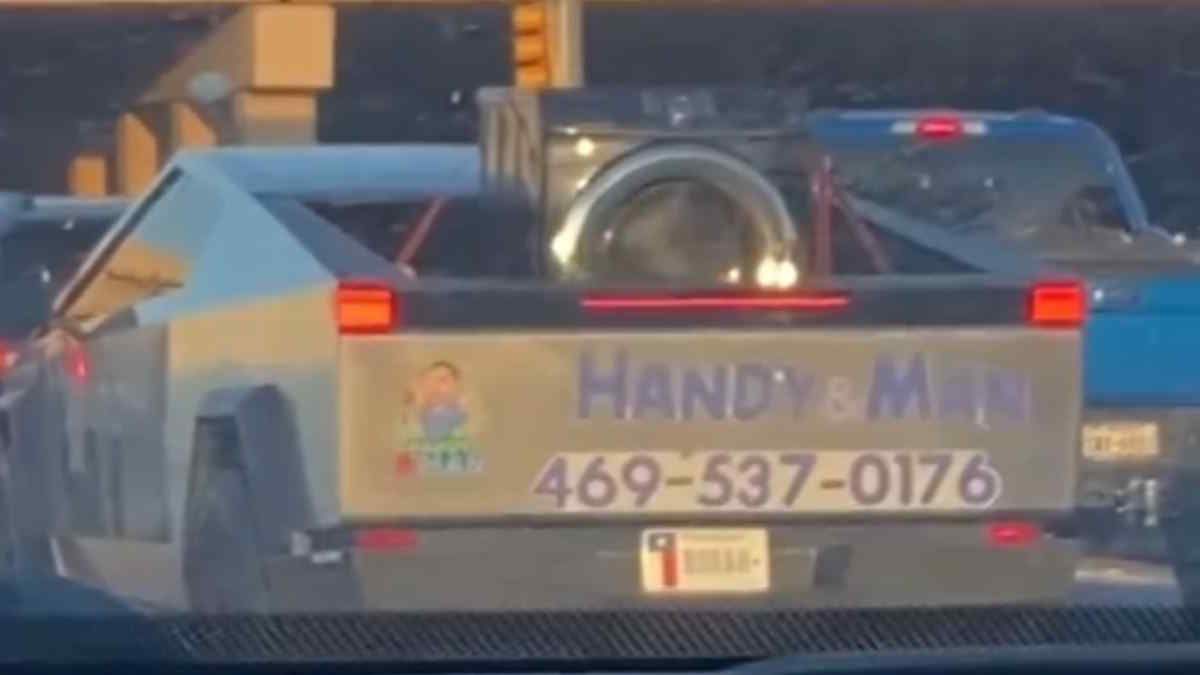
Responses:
[815,481]
[616,385]
[436,427]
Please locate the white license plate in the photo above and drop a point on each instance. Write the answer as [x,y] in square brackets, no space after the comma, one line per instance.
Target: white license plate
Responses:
[695,560]
[1116,441]
[831,481]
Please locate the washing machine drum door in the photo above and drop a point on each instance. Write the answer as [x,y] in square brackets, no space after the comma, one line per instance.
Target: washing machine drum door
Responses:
[678,214]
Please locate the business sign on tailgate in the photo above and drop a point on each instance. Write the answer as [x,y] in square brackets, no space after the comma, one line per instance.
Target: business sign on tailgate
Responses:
[643,424]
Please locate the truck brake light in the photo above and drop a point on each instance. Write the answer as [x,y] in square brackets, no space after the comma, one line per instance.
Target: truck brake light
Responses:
[364,308]
[809,302]
[940,127]
[1057,304]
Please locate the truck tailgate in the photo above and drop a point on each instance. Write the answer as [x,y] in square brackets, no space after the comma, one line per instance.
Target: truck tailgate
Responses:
[829,420]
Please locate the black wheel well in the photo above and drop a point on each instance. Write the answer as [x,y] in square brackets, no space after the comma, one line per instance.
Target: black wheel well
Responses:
[253,430]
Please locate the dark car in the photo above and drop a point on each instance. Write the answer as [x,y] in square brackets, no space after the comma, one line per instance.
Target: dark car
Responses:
[43,240]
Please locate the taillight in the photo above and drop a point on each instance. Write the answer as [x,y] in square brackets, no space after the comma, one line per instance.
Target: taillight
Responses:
[808,302]
[8,357]
[365,308]
[76,361]
[1013,534]
[1057,304]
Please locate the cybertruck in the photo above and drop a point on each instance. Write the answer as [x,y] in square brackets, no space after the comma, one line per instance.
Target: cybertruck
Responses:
[633,351]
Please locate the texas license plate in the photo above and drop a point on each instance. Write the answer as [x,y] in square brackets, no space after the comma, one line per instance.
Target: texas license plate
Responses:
[695,560]
[1117,441]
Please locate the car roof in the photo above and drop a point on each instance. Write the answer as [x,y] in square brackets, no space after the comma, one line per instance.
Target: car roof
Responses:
[891,114]
[22,211]
[1009,123]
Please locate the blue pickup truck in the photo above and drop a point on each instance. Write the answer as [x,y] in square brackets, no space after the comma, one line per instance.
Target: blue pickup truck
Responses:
[1033,189]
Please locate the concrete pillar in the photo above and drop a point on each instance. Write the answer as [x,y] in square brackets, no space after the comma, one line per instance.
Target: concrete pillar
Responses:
[272,62]
[87,175]
[137,153]
[566,35]
[187,128]
[274,118]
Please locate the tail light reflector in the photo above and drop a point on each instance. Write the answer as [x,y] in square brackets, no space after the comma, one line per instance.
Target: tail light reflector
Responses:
[386,539]
[1013,534]
[365,308]
[1057,304]
[815,302]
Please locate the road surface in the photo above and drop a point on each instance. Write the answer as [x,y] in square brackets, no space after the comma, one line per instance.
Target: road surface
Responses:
[1100,581]
[1112,581]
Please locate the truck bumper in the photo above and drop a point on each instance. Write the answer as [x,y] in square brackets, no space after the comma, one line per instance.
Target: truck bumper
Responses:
[573,568]
[1124,502]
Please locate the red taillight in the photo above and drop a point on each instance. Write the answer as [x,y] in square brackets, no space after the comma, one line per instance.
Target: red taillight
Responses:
[77,362]
[386,539]
[715,303]
[1010,534]
[940,127]
[365,308]
[1058,304]
[8,357]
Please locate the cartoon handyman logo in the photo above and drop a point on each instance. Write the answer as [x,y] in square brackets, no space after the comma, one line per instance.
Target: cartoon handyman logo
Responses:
[436,425]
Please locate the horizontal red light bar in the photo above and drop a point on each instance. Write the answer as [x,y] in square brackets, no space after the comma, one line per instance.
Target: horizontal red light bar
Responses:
[940,127]
[1057,304]
[654,303]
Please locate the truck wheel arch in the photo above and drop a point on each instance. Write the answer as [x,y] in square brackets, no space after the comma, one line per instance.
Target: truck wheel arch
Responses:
[265,444]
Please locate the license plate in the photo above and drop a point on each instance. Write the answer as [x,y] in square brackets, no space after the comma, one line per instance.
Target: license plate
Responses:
[767,481]
[705,561]
[1116,441]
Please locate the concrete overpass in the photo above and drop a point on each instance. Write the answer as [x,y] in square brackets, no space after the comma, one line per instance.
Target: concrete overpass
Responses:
[256,75]
[233,71]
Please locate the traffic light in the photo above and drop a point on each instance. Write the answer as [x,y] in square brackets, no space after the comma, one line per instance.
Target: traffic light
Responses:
[531,26]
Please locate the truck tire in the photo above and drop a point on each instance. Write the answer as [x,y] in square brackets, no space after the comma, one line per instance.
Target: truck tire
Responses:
[8,530]
[25,549]
[1181,515]
[223,568]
